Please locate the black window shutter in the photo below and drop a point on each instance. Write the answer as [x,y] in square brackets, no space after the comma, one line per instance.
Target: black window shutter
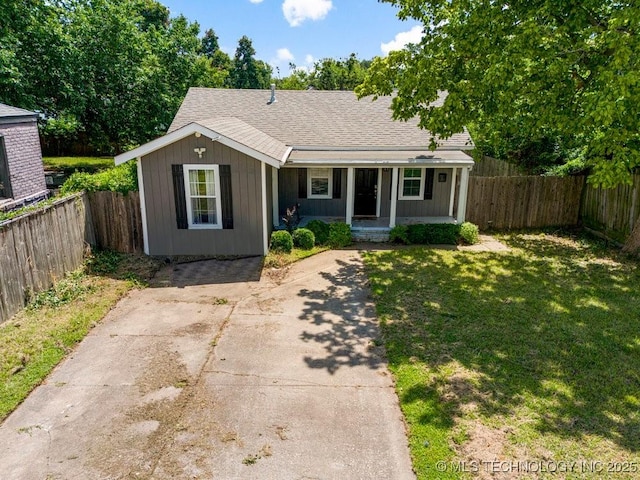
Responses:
[337,182]
[302,183]
[179,196]
[226,198]
[428,183]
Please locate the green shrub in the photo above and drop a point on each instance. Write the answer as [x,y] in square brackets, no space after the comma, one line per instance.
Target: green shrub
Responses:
[123,179]
[321,231]
[442,233]
[304,238]
[399,234]
[281,241]
[417,234]
[339,235]
[433,233]
[469,233]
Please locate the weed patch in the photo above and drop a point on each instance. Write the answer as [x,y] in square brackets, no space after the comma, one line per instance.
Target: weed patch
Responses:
[37,338]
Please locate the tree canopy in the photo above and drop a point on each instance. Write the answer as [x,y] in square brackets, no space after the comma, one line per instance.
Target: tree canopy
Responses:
[246,71]
[108,74]
[562,72]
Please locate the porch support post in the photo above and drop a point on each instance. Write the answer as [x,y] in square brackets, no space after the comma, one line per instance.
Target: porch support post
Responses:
[265,230]
[462,200]
[350,195]
[274,193]
[394,197]
[452,197]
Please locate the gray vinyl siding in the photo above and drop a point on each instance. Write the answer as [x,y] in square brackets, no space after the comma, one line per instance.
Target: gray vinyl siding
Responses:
[288,196]
[436,207]
[166,239]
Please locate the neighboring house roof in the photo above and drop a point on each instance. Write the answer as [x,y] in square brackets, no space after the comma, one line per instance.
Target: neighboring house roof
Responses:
[314,118]
[9,114]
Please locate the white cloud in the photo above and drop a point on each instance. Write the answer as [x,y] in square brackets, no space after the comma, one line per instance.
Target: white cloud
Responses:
[297,11]
[309,60]
[284,55]
[280,62]
[255,1]
[401,39]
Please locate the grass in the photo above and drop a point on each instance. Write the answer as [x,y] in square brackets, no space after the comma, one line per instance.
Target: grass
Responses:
[281,260]
[70,165]
[528,355]
[39,337]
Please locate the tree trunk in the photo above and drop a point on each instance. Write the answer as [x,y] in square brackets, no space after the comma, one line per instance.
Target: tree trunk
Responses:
[632,245]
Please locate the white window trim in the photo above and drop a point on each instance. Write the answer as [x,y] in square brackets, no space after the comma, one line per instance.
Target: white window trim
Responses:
[187,193]
[330,189]
[401,189]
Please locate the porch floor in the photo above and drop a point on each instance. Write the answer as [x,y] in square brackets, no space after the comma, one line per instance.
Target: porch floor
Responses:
[374,224]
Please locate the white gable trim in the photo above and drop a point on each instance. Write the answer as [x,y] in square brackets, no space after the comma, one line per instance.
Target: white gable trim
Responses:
[191,129]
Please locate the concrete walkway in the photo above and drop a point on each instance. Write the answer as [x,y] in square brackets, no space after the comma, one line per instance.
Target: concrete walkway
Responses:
[217,373]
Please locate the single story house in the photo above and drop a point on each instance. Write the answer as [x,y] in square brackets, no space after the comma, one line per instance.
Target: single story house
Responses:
[233,161]
[21,170]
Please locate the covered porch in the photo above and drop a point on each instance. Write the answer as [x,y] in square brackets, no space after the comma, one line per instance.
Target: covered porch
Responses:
[373,190]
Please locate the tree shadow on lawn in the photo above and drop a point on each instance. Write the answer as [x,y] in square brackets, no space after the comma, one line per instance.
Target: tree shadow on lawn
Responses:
[553,330]
[341,318]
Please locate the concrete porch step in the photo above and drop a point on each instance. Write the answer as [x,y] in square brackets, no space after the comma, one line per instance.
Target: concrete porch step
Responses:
[376,236]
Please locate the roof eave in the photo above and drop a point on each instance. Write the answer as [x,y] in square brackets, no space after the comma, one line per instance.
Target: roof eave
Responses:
[191,129]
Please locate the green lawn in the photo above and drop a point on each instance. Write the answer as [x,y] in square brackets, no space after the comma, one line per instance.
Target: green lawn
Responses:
[36,339]
[81,164]
[531,355]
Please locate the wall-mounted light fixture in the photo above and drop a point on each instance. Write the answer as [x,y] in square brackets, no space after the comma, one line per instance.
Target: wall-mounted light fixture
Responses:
[200,151]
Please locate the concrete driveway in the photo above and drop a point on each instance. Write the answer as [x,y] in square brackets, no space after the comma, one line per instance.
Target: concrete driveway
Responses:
[214,372]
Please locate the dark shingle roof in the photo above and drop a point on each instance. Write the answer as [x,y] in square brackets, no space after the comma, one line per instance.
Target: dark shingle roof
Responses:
[312,118]
[9,111]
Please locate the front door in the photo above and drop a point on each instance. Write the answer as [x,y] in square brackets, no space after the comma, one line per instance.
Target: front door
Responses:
[366,192]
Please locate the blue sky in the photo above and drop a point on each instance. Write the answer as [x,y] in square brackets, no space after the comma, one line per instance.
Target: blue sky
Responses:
[301,31]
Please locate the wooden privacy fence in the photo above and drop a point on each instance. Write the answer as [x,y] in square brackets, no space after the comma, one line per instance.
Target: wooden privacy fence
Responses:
[492,167]
[524,202]
[612,211]
[40,247]
[117,222]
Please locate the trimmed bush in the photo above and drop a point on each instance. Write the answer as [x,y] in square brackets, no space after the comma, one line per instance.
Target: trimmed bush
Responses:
[339,235]
[433,233]
[304,238]
[399,234]
[281,241]
[469,233]
[417,234]
[320,230]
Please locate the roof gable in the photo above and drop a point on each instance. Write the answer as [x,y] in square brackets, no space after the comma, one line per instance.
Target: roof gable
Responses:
[231,132]
[313,118]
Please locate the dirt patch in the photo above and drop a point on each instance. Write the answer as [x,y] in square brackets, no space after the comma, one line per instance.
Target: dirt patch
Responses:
[482,445]
[142,440]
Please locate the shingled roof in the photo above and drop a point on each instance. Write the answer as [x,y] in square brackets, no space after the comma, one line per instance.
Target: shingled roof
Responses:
[9,114]
[313,119]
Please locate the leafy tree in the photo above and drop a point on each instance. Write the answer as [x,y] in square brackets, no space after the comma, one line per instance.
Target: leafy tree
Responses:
[298,79]
[331,74]
[210,43]
[514,70]
[246,71]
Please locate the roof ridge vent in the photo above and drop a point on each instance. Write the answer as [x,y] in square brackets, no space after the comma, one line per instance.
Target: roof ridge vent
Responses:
[273,98]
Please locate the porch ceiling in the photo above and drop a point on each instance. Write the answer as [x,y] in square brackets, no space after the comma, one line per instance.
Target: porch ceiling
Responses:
[379,158]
